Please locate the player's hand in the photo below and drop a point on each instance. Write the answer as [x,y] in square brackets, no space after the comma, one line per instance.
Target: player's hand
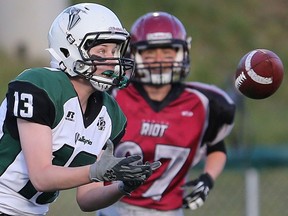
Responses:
[110,168]
[200,190]
[126,187]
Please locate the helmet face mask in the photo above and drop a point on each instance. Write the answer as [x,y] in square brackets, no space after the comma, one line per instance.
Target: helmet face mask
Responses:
[107,78]
[159,73]
[76,31]
[160,30]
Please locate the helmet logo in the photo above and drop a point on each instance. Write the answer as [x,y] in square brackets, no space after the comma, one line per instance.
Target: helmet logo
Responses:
[74,17]
[159,36]
[116,29]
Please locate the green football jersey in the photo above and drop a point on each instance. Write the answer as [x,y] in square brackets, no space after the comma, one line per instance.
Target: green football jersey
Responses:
[46,96]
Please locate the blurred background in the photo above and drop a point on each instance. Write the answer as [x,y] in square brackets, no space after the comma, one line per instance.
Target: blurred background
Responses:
[254,182]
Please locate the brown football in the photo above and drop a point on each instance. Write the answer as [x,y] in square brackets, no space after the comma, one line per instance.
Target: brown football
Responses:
[259,74]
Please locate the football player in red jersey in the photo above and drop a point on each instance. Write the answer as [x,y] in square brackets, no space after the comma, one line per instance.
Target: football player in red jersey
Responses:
[176,122]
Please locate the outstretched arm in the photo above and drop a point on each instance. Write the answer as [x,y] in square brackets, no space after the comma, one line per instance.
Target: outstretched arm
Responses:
[94,196]
[215,163]
[36,142]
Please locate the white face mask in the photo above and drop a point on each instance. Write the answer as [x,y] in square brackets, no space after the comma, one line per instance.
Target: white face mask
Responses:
[161,78]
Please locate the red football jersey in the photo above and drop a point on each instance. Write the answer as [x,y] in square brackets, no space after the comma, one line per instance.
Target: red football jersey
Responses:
[175,132]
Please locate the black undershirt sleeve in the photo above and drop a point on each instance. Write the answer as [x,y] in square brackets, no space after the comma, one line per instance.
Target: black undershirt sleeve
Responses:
[217,147]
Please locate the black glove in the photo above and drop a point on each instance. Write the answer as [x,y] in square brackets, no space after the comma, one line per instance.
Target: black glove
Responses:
[200,190]
[110,168]
[126,187]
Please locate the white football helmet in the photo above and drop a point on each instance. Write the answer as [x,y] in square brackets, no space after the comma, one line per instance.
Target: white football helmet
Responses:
[79,28]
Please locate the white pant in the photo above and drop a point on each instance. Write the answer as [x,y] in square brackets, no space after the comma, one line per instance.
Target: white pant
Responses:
[124,209]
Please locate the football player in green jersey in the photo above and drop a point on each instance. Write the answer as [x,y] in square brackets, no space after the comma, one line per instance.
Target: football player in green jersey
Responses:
[58,125]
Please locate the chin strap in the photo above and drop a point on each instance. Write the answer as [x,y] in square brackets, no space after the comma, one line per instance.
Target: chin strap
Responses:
[56,61]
